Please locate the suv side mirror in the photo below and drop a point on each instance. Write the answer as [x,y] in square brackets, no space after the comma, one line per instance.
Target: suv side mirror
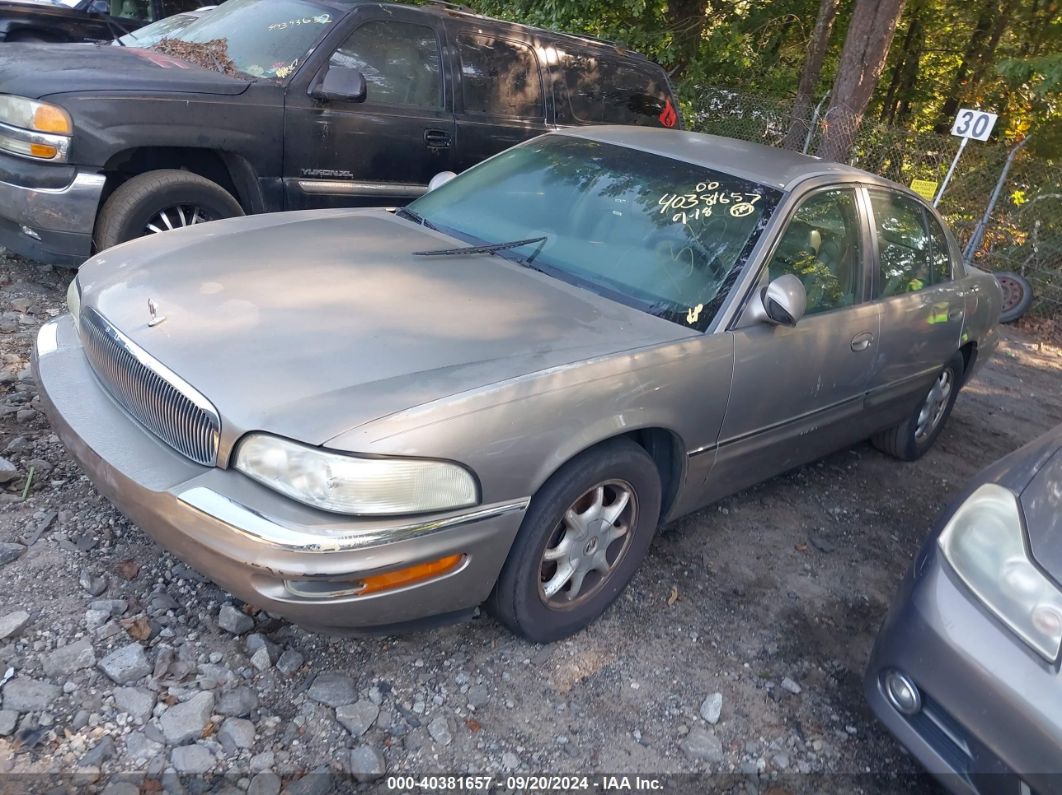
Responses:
[102,7]
[780,303]
[440,179]
[340,83]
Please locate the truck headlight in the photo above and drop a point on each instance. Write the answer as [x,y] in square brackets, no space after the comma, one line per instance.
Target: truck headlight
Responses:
[34,129]
[73,300]
[985,545]
[356,485]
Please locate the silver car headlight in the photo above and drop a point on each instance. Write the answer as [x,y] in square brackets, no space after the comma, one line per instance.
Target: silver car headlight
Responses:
[34,129]
[985,544]
[350,484]
[73,300]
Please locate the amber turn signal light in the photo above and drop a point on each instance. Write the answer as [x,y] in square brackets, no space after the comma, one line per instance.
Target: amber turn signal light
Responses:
[410,574]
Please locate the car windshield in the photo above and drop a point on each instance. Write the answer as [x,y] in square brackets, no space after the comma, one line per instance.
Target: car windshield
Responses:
[663,235]
[156,31]
[259,38]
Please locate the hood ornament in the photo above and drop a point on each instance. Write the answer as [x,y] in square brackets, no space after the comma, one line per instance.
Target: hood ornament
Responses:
[156,318]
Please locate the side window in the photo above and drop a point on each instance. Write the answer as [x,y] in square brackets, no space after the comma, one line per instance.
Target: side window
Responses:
[139,10]
[602,90]
[822,246]
[500,77]
[912,247]
[400,62]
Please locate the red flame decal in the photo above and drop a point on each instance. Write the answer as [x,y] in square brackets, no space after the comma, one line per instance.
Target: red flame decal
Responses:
[668,117]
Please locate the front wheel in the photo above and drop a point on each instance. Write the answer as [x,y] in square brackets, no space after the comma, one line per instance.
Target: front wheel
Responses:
[159,201]
[911,439]
[583,537]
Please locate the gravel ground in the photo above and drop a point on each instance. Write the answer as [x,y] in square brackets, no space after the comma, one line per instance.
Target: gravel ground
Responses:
[738,650]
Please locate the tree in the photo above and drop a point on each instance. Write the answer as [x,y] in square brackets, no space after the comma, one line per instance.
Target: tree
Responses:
[686,20]
[866,45]
[809,78]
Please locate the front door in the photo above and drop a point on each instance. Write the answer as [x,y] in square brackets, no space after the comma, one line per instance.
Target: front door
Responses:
[386,149]
[798,392]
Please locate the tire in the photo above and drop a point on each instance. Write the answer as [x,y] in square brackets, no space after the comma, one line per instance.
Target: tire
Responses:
[138,203]
[906,441]
[519,599]
[1017,296]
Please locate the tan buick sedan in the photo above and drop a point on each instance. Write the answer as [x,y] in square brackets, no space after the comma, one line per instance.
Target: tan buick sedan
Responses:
[366,419]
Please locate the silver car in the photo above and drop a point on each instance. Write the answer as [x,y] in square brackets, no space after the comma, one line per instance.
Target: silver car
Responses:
[363,419]
[965,671]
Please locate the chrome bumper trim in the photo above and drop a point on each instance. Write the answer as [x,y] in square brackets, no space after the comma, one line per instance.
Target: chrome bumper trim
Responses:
[69,209]
[252,524]
[18,135]
[333,187]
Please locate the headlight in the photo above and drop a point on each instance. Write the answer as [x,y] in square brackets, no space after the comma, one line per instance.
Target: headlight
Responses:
[350,484]
[73,300]
[34,129]
[985,544]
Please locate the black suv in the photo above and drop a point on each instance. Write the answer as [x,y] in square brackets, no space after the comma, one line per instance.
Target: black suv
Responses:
[264,105]
[83,20]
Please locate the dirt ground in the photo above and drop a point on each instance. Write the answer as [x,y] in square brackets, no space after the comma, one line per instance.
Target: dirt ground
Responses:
[786,581]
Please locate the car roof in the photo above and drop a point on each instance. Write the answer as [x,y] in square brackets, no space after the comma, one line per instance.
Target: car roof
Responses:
[768,165]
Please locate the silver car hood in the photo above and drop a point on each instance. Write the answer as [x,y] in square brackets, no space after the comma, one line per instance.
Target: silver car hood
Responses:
[309,324]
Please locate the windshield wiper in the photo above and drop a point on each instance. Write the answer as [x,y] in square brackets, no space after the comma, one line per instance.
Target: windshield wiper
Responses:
[416,218]
[486,248]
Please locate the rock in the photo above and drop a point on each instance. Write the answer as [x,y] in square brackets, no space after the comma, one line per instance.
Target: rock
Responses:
[10,552]
[29,695]
[702,744]
[267,783]
[289,662]
[263,762]
[790,686]
[185,721]
[94,619]
[237,702]
[260,660]
[94,584]
[358,717]
[316,782]
[439,730]
[781,761]
[8,722]
[712,707]
[112,607]
[366,763]
[101,751]
[191,759]
[510,761]
[126,664]
[121,788]
[255,641]
[333,689]
[235,621]
[13,623]
[140,747]
[478,696]
[136,702]
[236,732]
[8,471]
[68,659]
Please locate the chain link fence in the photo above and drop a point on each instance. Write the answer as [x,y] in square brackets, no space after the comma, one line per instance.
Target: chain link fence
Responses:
[1022,232]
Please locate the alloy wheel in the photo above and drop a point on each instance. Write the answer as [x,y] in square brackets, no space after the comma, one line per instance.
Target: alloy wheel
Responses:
[935,406]
[176,217]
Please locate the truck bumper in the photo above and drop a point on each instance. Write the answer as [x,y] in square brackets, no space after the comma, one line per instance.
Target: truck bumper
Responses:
[291,560]
[51,225]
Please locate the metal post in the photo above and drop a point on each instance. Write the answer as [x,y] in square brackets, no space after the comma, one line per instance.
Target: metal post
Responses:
[814,121]
[979,230]
[947,177]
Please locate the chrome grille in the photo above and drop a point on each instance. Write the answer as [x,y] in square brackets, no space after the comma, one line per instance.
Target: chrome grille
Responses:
[150,392]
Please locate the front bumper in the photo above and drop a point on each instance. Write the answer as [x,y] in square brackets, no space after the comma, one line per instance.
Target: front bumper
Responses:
[252,541]
[48,223]
[991,717]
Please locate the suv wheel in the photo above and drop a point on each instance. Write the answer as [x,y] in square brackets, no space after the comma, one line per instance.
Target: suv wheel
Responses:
[585,534]
[914,436]
[159,201]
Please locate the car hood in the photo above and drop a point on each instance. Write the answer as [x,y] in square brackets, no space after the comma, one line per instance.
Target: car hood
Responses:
[309,324]
[39,70]
[1041,502]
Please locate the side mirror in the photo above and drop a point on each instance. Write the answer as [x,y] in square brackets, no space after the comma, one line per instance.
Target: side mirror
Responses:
[440,179]
[781,303]
[340,83]
[102,7]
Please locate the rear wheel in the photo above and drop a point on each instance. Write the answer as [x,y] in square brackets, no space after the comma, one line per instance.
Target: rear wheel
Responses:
[910,439]
[585,534]
[159,201]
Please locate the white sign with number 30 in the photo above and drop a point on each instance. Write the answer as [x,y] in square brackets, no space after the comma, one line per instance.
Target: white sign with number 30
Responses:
[976,124]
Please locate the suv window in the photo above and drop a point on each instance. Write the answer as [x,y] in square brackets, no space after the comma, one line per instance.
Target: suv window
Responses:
[912,247]
[602,90]
[822,246]
[500,77]
[132,9]
[400,62]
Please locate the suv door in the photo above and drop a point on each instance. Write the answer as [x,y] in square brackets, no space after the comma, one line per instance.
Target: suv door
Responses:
[500,93]
[922,307]
[383,150]
[798,391]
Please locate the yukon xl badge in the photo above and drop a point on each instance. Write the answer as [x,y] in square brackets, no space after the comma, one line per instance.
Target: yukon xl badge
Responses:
[153,310]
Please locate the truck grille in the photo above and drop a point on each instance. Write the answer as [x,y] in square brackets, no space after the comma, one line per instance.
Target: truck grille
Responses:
[150,392]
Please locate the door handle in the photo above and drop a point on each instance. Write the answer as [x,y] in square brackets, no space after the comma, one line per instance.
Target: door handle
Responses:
[437,139]
[860,342]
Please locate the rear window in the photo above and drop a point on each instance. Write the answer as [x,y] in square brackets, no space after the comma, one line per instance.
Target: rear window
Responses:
[602,90]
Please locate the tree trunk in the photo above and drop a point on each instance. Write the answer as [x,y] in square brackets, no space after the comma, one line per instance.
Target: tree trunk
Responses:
[809,78]
[686,21]
[999,27]
[914,44]
[971,57]
[866,45]
[910,51]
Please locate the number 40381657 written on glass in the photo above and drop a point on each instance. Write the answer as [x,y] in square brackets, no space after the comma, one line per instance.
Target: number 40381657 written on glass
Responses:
[699,203]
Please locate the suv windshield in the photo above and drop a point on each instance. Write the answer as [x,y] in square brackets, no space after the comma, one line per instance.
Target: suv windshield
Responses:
[663,235]
[260,38]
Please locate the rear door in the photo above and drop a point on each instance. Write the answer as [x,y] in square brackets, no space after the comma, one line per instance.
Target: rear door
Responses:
[383,150]
[500,94]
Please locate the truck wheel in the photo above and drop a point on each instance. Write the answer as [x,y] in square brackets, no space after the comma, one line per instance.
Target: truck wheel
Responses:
[583,537]
[911,439]
[159,201]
